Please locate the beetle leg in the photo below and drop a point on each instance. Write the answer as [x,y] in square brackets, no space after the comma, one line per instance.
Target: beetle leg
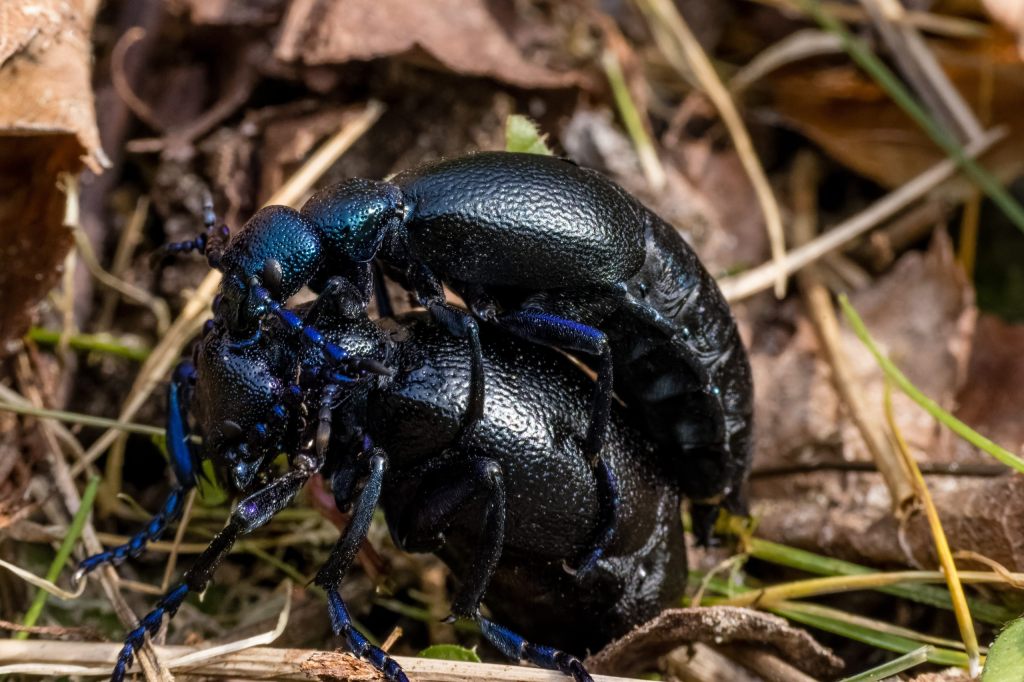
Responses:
[458,323]
[251,513]
[183,460]
[518,649]
[428,518]
[566,334]
[331,573]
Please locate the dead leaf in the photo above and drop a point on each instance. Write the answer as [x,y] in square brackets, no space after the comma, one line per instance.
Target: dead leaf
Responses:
[922,315]
[858,124]
[463,35]
[47,128]
[994,391]
[714,625]
[1009,13]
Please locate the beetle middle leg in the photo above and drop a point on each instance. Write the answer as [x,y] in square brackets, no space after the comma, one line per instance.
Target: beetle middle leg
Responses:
[183,460]
[333,571]
[251,513]
[458,323]
[534,323]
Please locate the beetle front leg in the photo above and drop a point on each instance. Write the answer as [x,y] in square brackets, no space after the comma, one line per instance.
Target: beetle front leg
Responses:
[251,513]
[183,458]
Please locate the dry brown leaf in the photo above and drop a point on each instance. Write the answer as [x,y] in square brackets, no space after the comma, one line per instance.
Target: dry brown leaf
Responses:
[463,35]
[852,118]
[715,625]
[922,315]
[47,127]
[848,515]
[1009,13]
[994,391]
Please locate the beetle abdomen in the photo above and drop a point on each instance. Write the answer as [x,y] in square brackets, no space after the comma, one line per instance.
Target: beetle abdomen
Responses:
[521,220]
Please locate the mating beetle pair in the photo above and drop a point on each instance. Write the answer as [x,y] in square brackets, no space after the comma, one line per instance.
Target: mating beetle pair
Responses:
[536,246]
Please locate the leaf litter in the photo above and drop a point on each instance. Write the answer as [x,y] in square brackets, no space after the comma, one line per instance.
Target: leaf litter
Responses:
[240,116]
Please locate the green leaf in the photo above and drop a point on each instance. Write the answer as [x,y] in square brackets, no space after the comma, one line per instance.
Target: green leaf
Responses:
[450,652]
[523,135]
[1005,662]
[210,492]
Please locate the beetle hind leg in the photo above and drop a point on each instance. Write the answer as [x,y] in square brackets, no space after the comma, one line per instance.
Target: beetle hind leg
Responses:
[518,649]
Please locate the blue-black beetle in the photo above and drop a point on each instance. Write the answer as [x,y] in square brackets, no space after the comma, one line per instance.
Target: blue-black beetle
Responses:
[506,499]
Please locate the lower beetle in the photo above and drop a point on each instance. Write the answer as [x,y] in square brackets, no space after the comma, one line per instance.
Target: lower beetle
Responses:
[506,498]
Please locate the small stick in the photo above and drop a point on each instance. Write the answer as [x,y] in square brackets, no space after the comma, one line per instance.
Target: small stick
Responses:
[52,658]
[760,278]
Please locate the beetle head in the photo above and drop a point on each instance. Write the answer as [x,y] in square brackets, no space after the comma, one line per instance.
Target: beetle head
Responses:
[278,249]
[241,404]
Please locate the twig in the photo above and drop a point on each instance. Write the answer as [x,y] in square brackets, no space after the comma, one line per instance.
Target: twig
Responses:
[96,343]
[823,316]
[760,278]
[939,24]
[799,45]
[631,117]
[956,589]
[189,321]
[119,78]
[78,418]
[815,587]
[95,658]
[891,84]
[683,51]
[126,245]
[921,69]
[156,305]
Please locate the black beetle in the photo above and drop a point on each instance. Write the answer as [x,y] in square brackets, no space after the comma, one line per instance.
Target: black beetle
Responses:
[506,500]
[552,252]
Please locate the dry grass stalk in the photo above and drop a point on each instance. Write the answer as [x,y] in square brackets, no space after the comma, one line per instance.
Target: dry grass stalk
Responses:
[683,51]
[762,277]
[50,658]
[956,589]
[823,315]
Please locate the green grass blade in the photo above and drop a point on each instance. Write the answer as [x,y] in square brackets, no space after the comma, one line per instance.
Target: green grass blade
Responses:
[63,554]
[94,343]
[876,68]
[930,406]
[929,595]
[893,667]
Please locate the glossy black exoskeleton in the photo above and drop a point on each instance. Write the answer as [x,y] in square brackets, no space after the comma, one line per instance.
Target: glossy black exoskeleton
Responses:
[547,250]
[506,498]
